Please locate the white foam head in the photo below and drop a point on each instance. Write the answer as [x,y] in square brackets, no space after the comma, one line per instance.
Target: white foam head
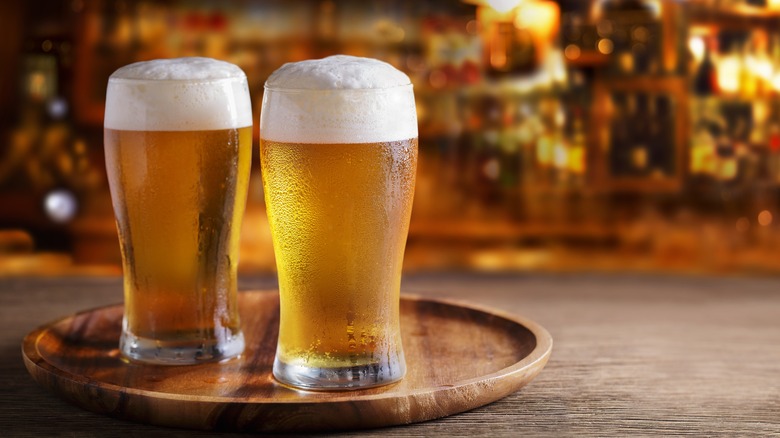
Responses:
[339,99]
[183,94]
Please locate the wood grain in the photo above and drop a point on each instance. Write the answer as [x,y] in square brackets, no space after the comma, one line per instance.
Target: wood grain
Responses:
[642,355]
[459,358]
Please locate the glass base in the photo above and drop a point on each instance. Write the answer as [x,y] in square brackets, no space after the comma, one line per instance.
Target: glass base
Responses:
[156,352]
[343,378]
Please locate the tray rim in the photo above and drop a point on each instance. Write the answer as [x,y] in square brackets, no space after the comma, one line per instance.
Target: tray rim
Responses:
[539,354]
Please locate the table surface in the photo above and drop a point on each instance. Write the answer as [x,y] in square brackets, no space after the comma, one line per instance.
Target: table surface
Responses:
[632,355]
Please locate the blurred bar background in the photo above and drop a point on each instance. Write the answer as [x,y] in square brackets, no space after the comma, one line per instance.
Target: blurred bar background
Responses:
[615,135]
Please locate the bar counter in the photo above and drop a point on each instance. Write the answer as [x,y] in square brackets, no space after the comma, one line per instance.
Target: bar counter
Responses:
[647,355]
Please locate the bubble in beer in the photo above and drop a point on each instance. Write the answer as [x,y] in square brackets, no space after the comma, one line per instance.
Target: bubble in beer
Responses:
[339,72]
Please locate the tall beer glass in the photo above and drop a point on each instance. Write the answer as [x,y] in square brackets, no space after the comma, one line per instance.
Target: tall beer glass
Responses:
[178,148]
[338,151]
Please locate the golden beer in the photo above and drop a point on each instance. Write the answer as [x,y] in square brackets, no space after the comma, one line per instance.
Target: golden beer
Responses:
[339,215]
[179,200]
[179,196]
[339,172]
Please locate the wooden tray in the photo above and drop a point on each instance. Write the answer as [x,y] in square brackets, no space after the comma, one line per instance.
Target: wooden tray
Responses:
[458,358]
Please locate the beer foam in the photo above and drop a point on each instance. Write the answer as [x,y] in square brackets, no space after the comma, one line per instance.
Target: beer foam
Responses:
[183,94]
[339,99]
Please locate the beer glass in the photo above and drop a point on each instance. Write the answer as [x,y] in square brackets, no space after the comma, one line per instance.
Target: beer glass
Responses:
[338,151]
[178,149]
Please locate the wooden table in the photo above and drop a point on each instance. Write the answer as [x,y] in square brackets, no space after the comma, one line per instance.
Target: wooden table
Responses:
[632,355]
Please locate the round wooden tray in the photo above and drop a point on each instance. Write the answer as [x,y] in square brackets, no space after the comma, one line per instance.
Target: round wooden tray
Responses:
[458,358]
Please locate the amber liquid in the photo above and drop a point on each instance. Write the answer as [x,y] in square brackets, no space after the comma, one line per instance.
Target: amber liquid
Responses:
[339,216]
[179,198]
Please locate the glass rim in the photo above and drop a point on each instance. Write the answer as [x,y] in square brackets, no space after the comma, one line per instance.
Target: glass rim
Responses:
[266,87]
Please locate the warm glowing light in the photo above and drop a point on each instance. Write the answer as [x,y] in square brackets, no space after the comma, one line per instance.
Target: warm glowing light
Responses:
[697,47]
[765,218]
[639,158]
[729,70]
[760,111]
[606,46]
[541,18]
[498,54]
[398,35]
[572,51]
[37,85]
[577,160]
[626,61]
[545,154]
[80,147]
[503,6]
[759,65]
[655,6]
[728,169]
[776,82]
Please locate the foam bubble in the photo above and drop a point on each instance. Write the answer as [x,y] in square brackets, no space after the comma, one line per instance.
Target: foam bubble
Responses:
[337,73]
[179,69]
[339,99]
[183,94]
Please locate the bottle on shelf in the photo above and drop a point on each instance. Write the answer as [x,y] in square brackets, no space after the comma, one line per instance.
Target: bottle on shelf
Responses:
[705,79]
